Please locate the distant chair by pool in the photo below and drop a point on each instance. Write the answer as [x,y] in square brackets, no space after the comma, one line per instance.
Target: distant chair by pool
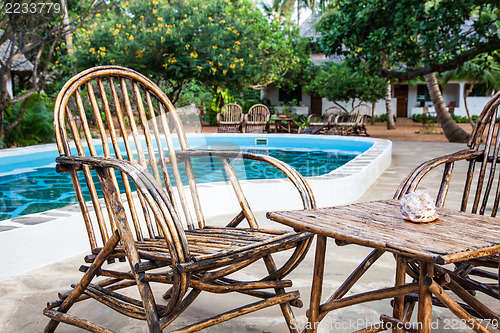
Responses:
[322,123]
[257,119]
[230,118]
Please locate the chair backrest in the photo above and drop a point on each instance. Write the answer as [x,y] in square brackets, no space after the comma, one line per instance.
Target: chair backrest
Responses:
[258,113]
[481,186]
[333,111]
[231,112]
[361,112]
[125,116]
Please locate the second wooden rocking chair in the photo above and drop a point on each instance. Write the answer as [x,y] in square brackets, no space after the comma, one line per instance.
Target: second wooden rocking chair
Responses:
[132,139]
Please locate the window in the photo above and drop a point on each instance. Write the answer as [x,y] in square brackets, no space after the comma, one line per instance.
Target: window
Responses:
[423,93]
[290,95]
[478,90]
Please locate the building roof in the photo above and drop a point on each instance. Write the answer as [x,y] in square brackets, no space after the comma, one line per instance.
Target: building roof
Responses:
[20,65]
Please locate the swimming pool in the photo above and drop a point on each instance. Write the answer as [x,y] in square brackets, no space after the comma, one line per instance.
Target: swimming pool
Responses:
[29,183]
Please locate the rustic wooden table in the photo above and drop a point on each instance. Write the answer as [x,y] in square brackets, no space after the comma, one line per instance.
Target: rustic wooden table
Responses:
[420,250]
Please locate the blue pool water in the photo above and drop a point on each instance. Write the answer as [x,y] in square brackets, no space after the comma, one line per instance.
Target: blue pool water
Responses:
[39,188]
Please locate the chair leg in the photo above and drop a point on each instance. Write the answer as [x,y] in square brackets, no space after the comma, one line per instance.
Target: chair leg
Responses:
[85,281]
[286,309]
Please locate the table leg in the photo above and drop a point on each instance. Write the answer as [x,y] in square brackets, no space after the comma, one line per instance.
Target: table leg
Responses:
[398,311]
[317,283]
[425,298]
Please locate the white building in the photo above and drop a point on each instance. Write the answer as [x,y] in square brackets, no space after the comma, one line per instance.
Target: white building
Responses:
[406,100]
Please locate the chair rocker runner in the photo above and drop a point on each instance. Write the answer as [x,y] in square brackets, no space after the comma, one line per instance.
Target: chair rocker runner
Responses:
[160,232]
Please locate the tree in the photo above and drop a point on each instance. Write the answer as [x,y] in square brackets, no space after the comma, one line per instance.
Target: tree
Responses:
[339,83]
[217,43]
[411,38]
[483,70]
[30,32]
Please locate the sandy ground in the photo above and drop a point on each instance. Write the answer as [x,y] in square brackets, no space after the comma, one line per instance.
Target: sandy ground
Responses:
[22,299]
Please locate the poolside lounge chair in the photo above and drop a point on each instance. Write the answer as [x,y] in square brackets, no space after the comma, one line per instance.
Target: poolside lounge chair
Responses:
[322,123]
[160,230]
[479,186]
[230,118]
[257,119]
[354,122]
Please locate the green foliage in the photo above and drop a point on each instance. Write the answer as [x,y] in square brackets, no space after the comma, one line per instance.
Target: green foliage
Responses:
[339,83]
[410,35]
[36,125]
[383,118]
[217,43]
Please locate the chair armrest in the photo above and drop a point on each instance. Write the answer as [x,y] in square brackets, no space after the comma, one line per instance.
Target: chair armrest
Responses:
[152,192]
[413,179]
[296,178]
[219,118]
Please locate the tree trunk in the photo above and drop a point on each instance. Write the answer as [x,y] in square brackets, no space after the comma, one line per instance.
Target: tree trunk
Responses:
[452,131]
[388,107]
[67,32]
[466,94]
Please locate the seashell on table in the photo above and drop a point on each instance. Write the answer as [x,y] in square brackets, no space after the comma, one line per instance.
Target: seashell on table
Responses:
[418,207]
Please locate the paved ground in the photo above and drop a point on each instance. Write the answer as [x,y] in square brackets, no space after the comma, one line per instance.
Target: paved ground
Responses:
[23,299]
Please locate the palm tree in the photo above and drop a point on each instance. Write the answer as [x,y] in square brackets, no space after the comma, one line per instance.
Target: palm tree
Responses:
[452,131]
[480,70]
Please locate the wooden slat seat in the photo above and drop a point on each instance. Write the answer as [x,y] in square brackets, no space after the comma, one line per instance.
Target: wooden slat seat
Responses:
[150,214]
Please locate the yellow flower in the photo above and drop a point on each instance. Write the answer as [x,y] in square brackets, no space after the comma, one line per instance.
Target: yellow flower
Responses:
[142,17]
[214,46]
[231,66]
[220,54]
[250,55]
[154,11]
[219,64]
[199,68]
[237,42]
[214,69]
[160,18]
[211,63]
[210,18]
[241,59]
[160,25]
[241,64]
[235,60]
[134,26]
[97,15]
[229,3]
[195,8]
[92,50]
[131,37]
[187,46]
[224,72]
[102,48]
[153,42]
[116,32]
[112,61]
[155,2]
[235,31]
[222,21]
[194,55]
[118,25]
[165,65]
[103,54]
[139,54]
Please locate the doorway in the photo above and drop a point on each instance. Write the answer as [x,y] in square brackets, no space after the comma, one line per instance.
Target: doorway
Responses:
[316,104]
[401,95]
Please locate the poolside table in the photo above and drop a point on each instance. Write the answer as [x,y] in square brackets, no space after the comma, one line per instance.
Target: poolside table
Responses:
[419,248]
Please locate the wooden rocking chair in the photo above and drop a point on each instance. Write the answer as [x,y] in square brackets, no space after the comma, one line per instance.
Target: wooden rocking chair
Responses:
[230,118]
[257,119]
[130,131]
[481,195]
